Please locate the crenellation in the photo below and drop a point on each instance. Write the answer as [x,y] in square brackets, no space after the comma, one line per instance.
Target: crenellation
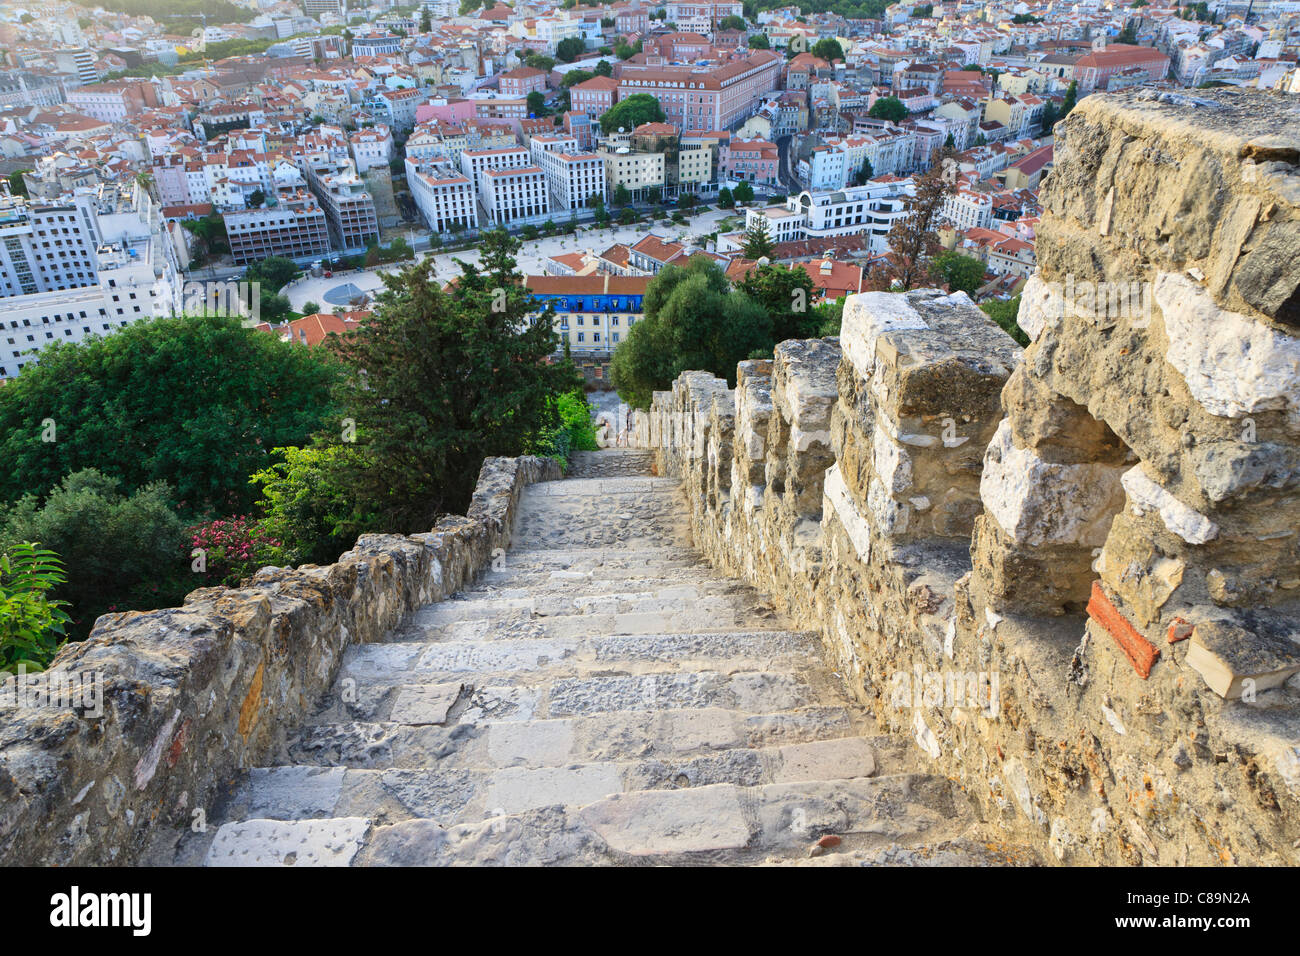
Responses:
[1060,522]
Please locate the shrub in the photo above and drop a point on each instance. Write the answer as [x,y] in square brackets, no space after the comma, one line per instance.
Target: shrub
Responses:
[121,551]
[575,417]
[32,625]
[310,515]
[233,548]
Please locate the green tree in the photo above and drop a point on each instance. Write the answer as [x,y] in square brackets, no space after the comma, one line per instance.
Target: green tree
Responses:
[121,551]
[912,239]
[1071,97]
[537,103]
[1004,314]
[743,192]
[439,381]
[725,199]
[621,196]
[759,41]
[573,77]
[273,272]
[539,61]
[569,49]
[32,623]
[828,316]
[17,186]
[758,242]
[693,320]
[196,402]
[828,49]
[889,108]
[210,232]
[310,307]
[307,505]
[960,273]
[604,68]
[732,22]
[631,112]
[256,198]
[865,172]
[426,21]
[786,293]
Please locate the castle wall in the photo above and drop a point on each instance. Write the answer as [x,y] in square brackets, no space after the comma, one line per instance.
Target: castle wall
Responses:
[194,694]
[1016,557]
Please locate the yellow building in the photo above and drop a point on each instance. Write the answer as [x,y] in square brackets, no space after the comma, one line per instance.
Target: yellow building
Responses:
[632,170]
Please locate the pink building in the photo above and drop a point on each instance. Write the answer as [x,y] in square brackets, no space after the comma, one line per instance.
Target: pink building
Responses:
[456,111]
[593,97]
[751,160]
[708,96]
[522,81]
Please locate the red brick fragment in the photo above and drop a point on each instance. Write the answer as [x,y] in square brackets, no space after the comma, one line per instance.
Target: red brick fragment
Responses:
[1140,652]
[1179,630]
[828,841]
[178,743]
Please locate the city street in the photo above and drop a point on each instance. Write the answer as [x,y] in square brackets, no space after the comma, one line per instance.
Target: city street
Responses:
[531,258]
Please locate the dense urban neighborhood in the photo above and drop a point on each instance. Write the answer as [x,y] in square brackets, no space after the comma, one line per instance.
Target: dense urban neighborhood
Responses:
[145,146]
[731,432]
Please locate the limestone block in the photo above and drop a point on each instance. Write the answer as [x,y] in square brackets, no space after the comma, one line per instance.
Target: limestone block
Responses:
[1233,364]
[1037,502]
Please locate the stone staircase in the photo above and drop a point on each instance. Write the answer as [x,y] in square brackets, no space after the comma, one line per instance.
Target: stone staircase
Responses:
[598,697]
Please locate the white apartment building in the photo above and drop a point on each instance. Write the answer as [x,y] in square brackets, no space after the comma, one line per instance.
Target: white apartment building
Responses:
[371,147]
[444,197]
[44,248]
[133,270]
[573,177]
[475,161]
[856,210]
[968,209]
[780,224]
[515,195]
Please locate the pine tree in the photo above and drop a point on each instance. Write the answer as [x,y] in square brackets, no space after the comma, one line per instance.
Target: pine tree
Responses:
[441,380]
[758,242]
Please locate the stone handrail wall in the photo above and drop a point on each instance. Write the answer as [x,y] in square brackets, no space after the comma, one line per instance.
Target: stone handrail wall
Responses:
[1014,557]
[192,695]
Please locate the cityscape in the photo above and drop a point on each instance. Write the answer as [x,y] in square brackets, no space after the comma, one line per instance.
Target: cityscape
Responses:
[579,434]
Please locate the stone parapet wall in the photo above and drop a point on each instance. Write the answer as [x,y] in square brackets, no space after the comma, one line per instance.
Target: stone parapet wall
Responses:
[194,694]
[1022,560]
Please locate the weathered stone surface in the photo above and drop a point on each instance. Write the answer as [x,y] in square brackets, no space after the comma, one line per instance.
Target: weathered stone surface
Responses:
[1146,439]
[195,693]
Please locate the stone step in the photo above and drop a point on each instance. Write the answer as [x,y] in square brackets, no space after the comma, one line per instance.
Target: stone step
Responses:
[962,851]
[583,592]
[439,697]
[631,559]
[489,608]
[466,796]
[718,824]
[613,512]
[612,736]
[520,624]
[598,487]
[540,658]
[610,462]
